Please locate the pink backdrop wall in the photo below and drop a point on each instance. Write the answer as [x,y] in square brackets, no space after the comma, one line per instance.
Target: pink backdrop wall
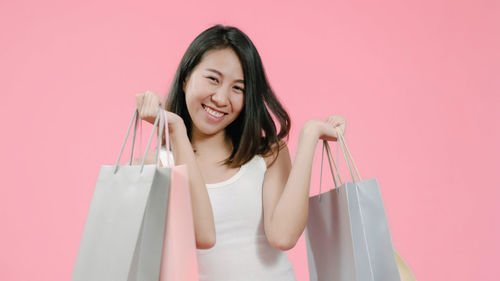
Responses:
[418,83]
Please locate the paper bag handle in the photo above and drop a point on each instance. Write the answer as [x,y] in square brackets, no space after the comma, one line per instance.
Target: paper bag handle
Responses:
[348,157]
[330,163]
[159,117]
[170,164]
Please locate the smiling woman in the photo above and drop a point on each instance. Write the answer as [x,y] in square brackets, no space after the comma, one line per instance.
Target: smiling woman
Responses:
[249,203]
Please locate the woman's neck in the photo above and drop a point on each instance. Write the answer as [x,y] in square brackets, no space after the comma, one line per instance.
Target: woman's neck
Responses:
[211,148]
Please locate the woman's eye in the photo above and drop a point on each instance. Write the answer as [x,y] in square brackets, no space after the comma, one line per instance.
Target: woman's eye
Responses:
[239,89]
[212,78]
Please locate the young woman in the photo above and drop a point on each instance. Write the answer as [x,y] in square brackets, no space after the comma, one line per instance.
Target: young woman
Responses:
[250,204]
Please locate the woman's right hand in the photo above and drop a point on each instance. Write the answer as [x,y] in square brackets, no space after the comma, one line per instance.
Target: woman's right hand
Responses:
[147,105]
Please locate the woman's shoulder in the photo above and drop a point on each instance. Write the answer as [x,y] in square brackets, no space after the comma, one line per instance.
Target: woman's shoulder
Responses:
[276,151]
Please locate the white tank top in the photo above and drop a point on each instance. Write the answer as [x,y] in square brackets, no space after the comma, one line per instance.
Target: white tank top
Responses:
[242,251]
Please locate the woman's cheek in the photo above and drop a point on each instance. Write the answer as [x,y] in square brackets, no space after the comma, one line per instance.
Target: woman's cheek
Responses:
[237,100]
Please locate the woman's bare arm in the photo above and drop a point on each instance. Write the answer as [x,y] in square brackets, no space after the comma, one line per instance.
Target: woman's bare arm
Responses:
[204,226]
[286,186]
[202,208]
[203,219]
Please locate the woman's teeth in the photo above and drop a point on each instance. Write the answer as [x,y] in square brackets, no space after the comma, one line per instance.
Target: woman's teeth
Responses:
[213,112]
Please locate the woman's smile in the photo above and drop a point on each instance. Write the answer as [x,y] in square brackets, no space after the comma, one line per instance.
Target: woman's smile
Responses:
[213,114]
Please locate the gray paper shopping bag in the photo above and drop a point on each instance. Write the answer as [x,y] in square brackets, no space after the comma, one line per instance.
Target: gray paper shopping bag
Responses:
[347,234]
[123,234]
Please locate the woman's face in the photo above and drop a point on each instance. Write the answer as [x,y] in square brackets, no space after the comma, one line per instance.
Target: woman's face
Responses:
[215,91]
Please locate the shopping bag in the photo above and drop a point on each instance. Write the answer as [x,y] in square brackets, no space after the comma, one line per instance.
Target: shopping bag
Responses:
[125,227]
[179,260]
[347,233]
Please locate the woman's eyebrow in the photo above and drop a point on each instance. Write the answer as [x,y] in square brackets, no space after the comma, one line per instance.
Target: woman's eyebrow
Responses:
[220,74]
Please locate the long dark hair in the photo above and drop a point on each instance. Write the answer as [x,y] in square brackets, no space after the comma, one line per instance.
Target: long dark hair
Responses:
[253,131]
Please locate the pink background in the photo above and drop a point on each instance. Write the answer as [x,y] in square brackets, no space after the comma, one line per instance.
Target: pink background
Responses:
[417,82]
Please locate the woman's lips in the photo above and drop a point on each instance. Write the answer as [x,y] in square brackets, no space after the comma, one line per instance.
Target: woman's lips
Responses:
[213,114]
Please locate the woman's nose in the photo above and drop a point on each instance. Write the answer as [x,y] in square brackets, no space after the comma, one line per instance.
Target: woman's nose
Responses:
[221,96]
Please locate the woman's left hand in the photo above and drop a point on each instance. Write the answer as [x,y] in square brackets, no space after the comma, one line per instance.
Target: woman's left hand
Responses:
[327,130]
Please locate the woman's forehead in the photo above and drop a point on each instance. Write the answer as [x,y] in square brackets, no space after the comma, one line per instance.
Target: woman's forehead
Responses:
[224,62]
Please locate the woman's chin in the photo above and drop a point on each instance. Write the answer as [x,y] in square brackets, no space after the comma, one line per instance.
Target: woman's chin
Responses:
[208,130]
